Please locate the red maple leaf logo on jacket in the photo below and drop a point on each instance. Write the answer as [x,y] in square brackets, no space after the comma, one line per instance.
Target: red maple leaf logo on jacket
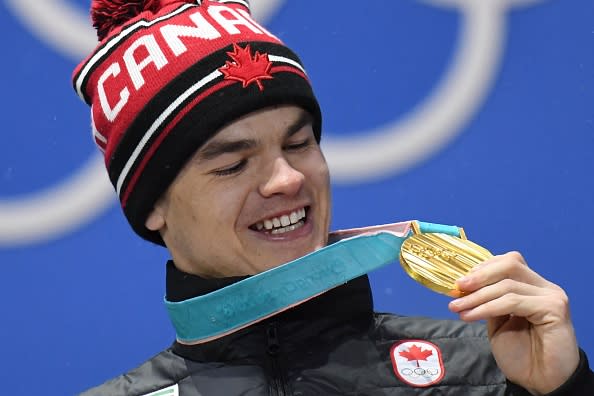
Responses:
[247,69]
[416,353]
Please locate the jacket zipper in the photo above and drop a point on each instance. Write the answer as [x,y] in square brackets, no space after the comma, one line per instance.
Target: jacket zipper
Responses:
[273,349]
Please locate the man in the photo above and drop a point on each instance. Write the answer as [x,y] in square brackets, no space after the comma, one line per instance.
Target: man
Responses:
[211,134]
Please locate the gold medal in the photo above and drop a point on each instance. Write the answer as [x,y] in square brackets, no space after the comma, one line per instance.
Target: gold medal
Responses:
[437,260]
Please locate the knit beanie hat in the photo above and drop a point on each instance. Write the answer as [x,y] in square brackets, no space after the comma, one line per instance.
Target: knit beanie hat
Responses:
[166,76]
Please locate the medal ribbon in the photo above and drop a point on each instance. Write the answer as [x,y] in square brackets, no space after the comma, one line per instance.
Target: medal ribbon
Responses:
[350,254]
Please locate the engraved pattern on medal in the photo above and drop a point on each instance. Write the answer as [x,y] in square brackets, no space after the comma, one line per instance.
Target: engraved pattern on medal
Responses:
[428,252]
[437,260]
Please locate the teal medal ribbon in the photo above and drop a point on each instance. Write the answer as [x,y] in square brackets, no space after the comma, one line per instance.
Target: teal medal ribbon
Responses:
[350,254]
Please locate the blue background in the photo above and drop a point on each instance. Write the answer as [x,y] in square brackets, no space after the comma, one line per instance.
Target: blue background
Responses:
[84,306]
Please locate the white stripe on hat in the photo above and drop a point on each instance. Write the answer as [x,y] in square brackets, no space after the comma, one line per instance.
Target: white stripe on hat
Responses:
[282,59]
[173,106]
[155,126]
[115,41]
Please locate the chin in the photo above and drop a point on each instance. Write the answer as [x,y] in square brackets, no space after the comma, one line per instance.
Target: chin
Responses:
[283,260]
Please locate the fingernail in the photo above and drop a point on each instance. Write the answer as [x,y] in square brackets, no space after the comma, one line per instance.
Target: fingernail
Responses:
[455,305]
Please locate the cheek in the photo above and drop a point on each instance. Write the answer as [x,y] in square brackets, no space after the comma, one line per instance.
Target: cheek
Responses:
[188,208]
[221,207]
[317,171]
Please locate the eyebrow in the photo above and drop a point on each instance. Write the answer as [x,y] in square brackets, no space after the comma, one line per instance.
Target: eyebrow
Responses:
[304,119]
[216,148]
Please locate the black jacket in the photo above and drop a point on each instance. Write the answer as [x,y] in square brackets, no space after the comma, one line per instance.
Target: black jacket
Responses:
[332,345]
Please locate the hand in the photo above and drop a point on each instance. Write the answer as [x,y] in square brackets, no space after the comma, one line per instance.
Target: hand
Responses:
[528,321]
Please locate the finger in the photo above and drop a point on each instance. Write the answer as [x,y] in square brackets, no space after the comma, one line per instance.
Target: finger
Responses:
[494,291]
[538,310]
[508,266]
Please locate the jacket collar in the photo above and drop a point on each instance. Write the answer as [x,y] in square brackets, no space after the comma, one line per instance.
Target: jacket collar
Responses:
[350,303]
[182,286]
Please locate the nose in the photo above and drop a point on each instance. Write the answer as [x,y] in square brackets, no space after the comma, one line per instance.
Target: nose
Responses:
[284,179]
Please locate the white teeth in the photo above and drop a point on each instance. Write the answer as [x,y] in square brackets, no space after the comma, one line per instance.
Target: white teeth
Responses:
[285,220]
[288,222]
[292,227]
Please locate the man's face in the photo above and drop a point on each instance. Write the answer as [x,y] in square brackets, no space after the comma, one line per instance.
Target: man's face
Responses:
[256,195]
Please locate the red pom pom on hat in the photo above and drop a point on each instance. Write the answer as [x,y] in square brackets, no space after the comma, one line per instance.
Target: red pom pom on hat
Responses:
[110,14]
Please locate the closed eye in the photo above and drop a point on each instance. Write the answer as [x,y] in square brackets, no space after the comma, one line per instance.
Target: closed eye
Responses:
[299,145]
[232,169]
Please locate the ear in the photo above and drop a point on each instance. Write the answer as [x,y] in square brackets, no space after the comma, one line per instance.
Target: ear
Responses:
[155,220]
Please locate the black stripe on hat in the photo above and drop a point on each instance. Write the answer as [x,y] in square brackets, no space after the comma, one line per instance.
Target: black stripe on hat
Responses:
[166,96]
[194,129]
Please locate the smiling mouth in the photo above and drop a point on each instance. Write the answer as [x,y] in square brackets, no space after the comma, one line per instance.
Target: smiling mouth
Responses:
[285,223]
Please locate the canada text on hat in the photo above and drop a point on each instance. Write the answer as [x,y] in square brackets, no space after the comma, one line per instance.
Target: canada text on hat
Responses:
[166,76]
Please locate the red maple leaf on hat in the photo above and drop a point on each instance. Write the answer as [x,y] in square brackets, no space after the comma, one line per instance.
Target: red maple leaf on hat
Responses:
[247,69]
[416,353]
